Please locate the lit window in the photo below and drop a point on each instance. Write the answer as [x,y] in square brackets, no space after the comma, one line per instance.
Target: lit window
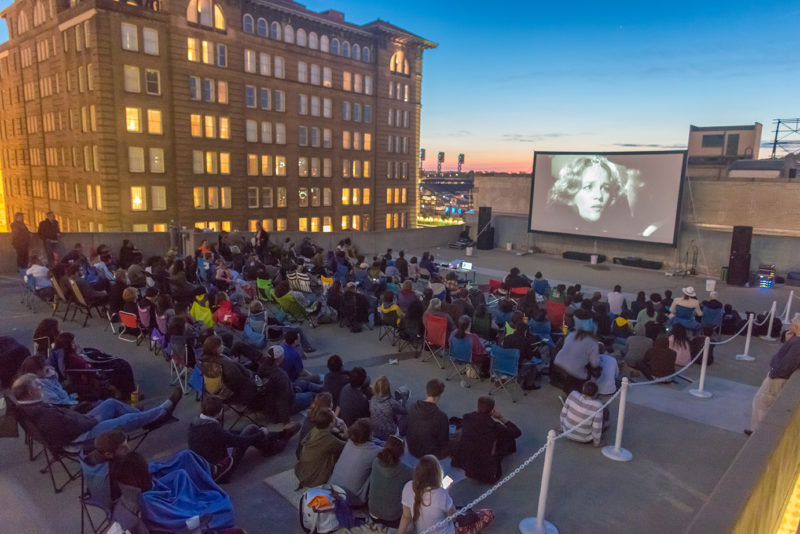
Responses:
[365,195]
[281,197]
[135,159]
[346,142]
[280,165]
[266,165]
[368,85]
[357,83]
[158,198]
[302,224]
[367,171]
[138,202]
[224,128]
[367,141]
[280,224]
[133,120]
[345,196]
[388,220]
[213,198]
[196,125]
[219,18]
[252,164]
[315,224]
[211,163]
[315,167]
[389,196]
[345,168]
[98,196]
[222,92]
[207,52]
[249,60]
[199,198]
[356,196]
[302,195]
[156,160]
[154,125]
[345,222]
[150,41]
[396,195]
[225,197]
[130,37]
[132,82]
[327,224]
[302,167]
[192,49]
[225,162]
[403,196]
[347,81]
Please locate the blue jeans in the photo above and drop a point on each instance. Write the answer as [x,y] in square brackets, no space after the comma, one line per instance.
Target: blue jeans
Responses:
[302,401]
[112,414]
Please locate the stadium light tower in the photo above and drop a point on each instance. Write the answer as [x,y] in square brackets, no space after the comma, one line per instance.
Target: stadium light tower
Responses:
[460,162]
[439,161]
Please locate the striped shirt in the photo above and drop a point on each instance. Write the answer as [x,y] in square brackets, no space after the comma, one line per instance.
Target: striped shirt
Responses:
[577,408]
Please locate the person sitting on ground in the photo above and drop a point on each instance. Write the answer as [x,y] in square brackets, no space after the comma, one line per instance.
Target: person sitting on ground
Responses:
[658,303]
[406,296]
[323,399]
[518,337]
[638,305]
[528,304]
[426,503]
[654,328]
[559,294]
[578,354]
[280,401]
[660,360]
[386,480]
[486,438]
[61,426]
[52,391]
[579,406]
[635,348]
[354,397]
[482,323]
[353,467]
[387,415]
[516,279]
[608,380]
[321,449]
[336,378]
[292,363]
[388,306]
[428,426]
[541,285]
[224,449]
[679,342]
[697,344]
[621,330]
[731,321]
[668,300]
[426,262]
[617,304]
[646,315]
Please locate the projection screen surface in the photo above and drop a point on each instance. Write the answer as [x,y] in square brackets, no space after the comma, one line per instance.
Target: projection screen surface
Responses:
[616,195]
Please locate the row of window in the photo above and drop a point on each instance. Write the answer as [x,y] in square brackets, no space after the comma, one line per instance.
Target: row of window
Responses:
[134,122]
[153,162]
[200,50]
[252,131]
[396,220]
[156,201]
[326,110]
[53,157]
[210,126]
[60,191]
[311,40]
[132,80]
[397,144]
[302,74]
[130,39]
[398,118]
[208,90]
[264,98]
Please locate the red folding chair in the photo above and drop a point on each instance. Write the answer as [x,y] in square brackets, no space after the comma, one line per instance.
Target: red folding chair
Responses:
[435,336]
[130,327]
[496,292]
[516,293]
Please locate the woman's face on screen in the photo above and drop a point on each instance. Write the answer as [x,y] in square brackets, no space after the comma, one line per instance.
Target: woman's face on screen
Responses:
[594,193]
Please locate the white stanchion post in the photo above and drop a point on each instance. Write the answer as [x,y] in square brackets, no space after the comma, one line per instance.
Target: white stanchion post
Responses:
[700,392]
[746,356]
[769,337]
[616,452]
[537,525]
[786,317]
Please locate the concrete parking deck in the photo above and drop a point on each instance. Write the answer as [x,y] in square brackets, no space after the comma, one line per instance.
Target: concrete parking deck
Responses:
[681,445]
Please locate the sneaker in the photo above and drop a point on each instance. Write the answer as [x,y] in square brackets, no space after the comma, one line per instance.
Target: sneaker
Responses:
[402,394]
[219,470]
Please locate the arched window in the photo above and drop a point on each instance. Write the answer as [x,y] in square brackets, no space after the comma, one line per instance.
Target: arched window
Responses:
[406,70]
[301,37]
[395,61]
[39,13]
[219,18]
[355,53]
[191,12]
[365,54]
[335,46]
[247,23]
[288,34]
[275,31]
[313,41]
[346,49]
[323,43]
[22,23]
[261,27]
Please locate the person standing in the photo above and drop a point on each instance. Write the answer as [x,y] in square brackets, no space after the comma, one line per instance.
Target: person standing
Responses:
[50,232]
[785,362]
[21,240]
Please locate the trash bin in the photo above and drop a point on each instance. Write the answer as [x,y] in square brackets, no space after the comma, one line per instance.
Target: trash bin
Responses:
[724,273]
[469,251]
[593,259]
[508,245]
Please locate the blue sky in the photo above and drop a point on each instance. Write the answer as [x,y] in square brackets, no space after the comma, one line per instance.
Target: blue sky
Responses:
[510,78]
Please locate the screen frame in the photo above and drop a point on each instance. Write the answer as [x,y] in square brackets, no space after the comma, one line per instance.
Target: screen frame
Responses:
[623,153]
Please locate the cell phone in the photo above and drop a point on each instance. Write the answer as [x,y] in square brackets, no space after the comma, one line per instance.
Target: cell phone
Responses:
[446,481]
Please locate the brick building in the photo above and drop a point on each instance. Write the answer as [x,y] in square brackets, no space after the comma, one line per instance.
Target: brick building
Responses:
[118,116]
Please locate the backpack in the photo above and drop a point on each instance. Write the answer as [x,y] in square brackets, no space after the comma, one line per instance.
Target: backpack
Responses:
[201,312]
[320,508]
[254,332]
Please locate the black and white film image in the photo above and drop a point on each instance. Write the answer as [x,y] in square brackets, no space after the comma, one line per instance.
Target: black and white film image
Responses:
[615,195]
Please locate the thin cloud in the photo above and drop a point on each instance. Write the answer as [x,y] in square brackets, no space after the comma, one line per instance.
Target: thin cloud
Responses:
[532,138]
[647,145]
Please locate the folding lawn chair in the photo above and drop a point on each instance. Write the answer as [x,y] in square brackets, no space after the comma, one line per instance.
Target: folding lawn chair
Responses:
[53,456]
[178,371]
[504,370]
[265,290]
[60,297]
[388,326]
[295,311]
[130,327]
[435,338]
[81,304]
[460,358]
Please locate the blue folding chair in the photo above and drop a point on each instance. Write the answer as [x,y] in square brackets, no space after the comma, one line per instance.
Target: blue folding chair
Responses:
[460,358]
[95,494]
[504,370]
[712,318]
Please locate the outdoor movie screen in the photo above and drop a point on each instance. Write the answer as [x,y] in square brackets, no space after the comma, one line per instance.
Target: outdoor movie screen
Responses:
[615,195]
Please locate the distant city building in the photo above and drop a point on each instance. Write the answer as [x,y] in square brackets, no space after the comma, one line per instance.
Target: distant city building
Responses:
[120,116]
[712,149]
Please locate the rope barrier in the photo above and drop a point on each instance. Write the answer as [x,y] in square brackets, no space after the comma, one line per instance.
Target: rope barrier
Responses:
[734,336]
[669,377]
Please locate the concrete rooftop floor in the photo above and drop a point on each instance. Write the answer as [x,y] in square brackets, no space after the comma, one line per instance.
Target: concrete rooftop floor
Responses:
[681,445]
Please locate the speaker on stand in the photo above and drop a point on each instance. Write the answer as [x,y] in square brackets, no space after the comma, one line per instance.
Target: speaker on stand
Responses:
[739,264]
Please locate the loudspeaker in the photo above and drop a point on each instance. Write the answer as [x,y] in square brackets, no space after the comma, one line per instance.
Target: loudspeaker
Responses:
[486,239]
[739,269]
[484,217]
[740,240]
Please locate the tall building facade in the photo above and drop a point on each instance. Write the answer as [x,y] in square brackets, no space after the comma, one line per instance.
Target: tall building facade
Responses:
[122,117]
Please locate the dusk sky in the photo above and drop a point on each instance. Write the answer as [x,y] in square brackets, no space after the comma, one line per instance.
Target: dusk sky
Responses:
[510,78]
